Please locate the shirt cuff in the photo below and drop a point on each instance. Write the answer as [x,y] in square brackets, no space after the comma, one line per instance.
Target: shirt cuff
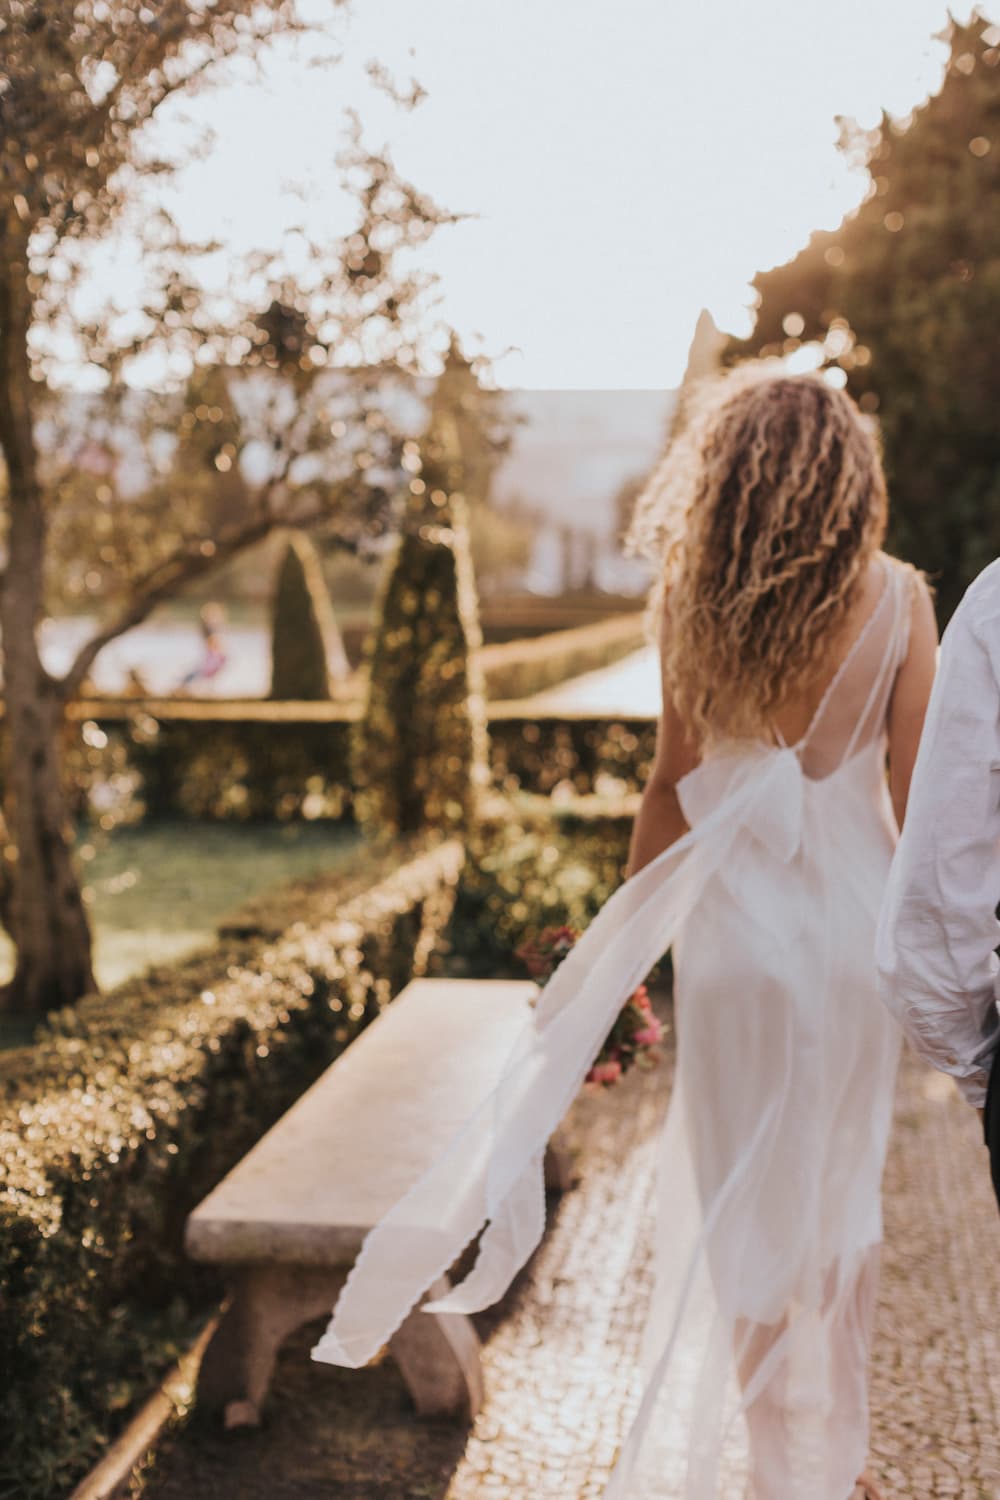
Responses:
[967,1058]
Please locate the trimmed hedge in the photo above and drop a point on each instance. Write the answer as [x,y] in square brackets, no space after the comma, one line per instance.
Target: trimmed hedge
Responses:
[203,760]
[518,669]
[581,754]
[306,649]
[130,1107]
[290,760]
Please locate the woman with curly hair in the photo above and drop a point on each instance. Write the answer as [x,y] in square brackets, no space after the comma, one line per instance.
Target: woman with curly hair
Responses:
[797,662]
[788,640]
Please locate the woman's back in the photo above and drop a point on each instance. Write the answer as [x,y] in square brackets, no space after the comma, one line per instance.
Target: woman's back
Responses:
[796,717]
[857,699]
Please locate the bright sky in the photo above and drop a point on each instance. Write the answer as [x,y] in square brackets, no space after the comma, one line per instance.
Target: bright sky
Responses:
[629,161]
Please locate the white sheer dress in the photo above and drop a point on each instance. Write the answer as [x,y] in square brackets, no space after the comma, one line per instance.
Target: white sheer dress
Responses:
[756,1350]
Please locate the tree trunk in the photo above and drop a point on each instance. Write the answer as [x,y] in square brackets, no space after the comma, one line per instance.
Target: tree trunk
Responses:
[48,920]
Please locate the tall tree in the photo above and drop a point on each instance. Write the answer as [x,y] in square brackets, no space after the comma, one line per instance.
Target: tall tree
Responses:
[306,432]
[901,303]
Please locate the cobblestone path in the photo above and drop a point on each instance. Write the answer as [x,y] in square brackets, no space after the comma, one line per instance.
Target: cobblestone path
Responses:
[560,1351]
[936,1386]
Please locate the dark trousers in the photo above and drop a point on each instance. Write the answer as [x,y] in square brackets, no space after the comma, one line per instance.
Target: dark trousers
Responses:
[991,1121]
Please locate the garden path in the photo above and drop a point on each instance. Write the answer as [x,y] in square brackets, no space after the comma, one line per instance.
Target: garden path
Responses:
[559,1353]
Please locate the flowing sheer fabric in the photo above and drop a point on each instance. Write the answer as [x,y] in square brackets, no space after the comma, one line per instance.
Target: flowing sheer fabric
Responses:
[756,1347]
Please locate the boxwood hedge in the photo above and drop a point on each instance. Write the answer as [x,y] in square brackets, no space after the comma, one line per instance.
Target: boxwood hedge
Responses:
[243,761]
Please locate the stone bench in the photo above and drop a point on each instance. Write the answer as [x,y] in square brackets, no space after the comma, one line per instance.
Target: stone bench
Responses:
[288,1221]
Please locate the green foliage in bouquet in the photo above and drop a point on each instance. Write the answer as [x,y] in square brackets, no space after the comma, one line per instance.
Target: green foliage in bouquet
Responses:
[637,1032]
[305,642]
[131,1106]
[420,758]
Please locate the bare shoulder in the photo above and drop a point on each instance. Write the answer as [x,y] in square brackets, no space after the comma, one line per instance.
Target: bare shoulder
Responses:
[885,562]
[920,590]
[868,592]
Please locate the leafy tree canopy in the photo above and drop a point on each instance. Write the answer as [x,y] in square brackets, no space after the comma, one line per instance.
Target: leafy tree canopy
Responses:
[901,304]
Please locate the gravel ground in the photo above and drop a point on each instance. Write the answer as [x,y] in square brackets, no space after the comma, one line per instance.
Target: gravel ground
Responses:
[559,1350]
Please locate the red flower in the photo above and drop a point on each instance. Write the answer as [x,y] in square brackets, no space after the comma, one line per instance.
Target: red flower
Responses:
[636,1030]
[605,1072]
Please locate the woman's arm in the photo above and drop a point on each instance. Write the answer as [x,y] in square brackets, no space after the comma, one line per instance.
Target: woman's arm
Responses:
[659,821]
[910,696]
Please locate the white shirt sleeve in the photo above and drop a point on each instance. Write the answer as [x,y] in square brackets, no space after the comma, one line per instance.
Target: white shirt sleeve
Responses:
[938,929]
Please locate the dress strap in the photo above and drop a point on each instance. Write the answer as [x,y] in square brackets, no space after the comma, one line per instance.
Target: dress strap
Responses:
[854,650]
[876,706]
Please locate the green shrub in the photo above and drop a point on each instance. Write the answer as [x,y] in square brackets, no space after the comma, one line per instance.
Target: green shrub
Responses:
[305,641]
[536,865]
[240,761]
[130,1108]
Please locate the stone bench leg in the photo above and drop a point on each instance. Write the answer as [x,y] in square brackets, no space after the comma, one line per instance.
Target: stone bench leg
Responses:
[437,1353]
[560,1173]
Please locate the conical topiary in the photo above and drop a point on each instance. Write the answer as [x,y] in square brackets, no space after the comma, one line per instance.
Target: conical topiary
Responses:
[421,749]
[306,648]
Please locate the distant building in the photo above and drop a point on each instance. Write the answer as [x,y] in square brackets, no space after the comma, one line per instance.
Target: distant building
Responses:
[570,454]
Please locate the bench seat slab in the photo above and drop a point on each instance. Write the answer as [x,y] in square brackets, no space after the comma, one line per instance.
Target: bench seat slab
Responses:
[352,1145]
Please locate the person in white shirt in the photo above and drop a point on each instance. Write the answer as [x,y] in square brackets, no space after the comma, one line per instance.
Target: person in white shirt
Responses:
[939,930]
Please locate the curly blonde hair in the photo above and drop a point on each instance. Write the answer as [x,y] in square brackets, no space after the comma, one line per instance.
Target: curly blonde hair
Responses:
[762,516]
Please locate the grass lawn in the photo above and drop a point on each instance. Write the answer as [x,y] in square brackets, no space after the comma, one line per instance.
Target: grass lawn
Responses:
[157,892]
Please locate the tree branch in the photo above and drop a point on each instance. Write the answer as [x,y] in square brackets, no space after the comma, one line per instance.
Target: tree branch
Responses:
[183,566]
[164,48]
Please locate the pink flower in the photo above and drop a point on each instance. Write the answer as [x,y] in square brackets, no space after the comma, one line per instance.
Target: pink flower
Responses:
[605,1072]
[649,1035]
[641,998]
[542,955]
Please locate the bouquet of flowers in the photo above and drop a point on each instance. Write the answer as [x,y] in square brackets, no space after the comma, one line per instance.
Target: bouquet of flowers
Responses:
[637,1032]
